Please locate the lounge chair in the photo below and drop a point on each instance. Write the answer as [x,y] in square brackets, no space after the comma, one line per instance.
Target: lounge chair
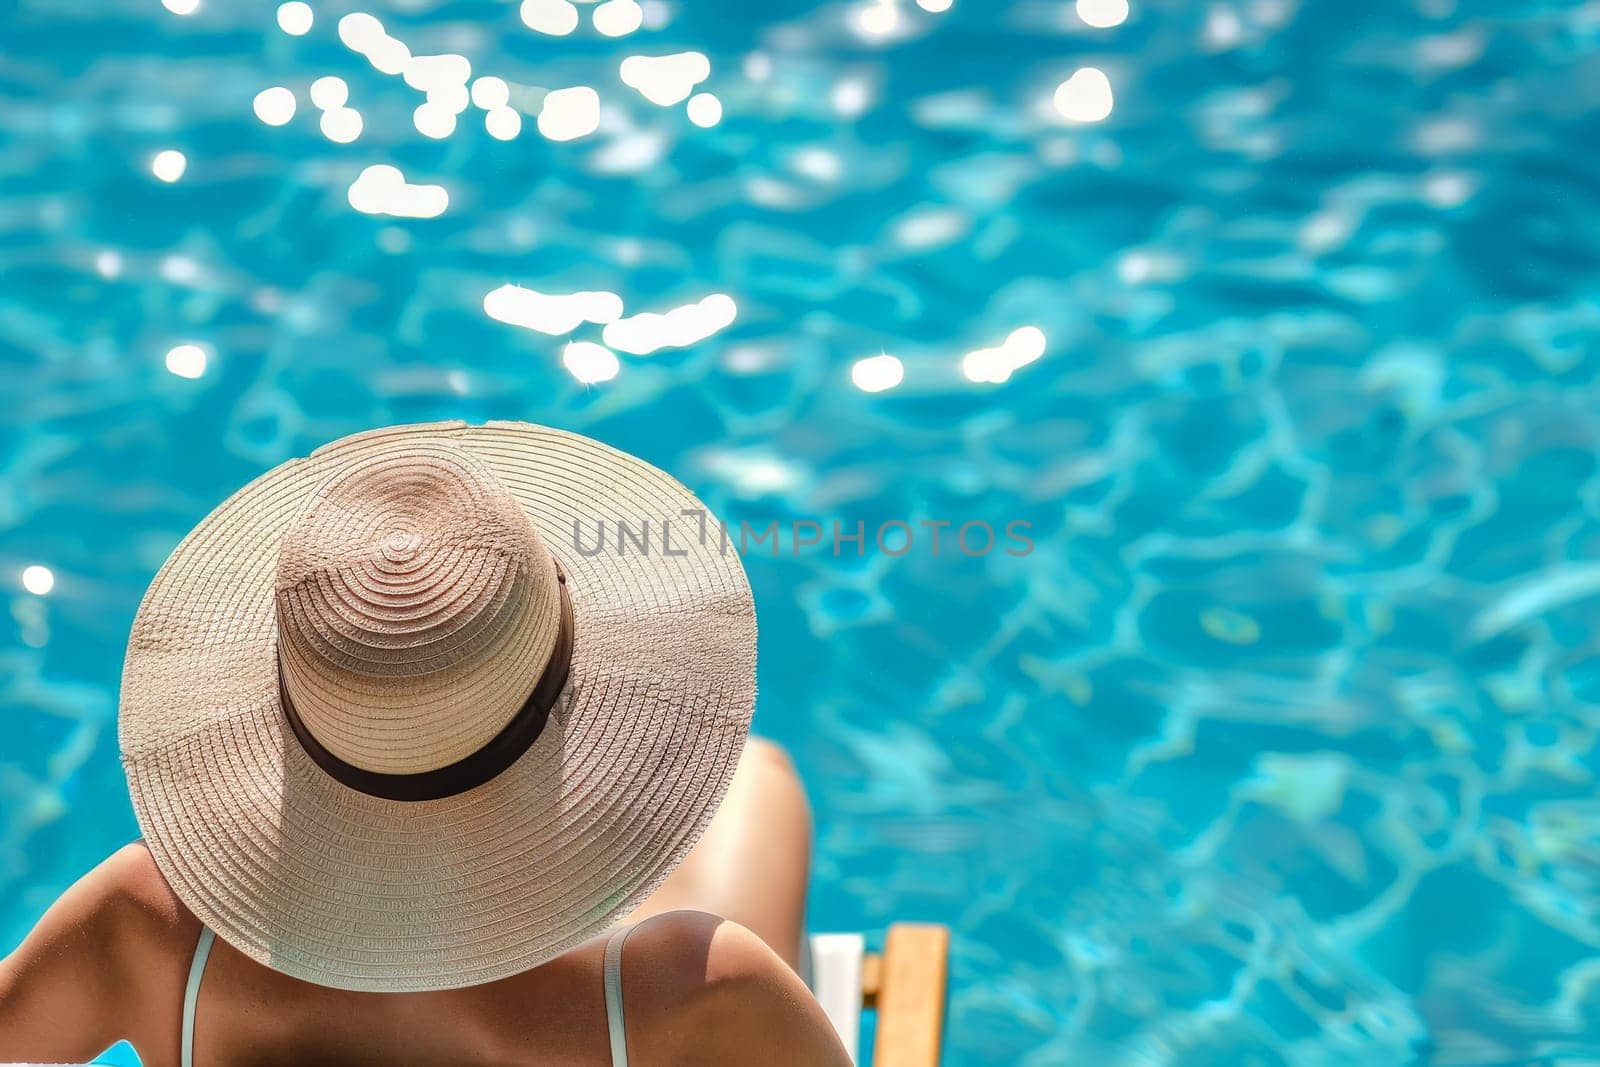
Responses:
[905,984]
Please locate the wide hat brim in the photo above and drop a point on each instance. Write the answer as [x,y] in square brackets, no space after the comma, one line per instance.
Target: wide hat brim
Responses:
[314,879]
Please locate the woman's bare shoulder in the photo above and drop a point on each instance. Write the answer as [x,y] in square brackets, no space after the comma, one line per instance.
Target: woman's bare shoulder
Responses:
[122,908]
[700,989]
[106,959]
[132,879]
[127,893]
[146,933]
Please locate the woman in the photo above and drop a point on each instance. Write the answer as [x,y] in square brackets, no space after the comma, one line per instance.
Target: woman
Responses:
[403,757]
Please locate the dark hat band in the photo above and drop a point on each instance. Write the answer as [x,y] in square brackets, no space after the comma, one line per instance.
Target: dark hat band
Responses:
[499,753]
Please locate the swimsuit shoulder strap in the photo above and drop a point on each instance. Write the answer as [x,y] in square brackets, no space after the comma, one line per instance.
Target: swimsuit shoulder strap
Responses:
[613,980]
[191,992]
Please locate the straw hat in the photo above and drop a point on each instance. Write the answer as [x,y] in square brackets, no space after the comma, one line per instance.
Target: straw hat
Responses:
[390,721]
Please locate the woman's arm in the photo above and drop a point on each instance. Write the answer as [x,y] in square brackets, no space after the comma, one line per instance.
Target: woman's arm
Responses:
[101,966]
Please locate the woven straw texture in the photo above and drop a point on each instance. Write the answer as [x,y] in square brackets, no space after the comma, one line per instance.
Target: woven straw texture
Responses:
[418,611]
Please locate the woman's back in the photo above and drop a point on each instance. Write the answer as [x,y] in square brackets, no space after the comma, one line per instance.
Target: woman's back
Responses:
[248,1014]
[113,957]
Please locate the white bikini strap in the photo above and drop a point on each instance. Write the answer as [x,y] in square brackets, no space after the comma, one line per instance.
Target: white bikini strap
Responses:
[191,992]
[619,1035]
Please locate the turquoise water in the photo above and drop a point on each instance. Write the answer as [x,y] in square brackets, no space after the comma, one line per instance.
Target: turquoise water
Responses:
[1280,747]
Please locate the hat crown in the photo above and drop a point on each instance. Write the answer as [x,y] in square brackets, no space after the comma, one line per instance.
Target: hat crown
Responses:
[416,608]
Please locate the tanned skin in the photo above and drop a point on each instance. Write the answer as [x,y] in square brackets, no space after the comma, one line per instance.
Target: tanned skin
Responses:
[708,974]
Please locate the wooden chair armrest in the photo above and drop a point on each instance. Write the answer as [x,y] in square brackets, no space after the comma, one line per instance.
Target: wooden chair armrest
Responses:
[907,985]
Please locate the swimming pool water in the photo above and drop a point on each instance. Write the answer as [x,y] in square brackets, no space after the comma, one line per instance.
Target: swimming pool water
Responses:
[1280,746]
